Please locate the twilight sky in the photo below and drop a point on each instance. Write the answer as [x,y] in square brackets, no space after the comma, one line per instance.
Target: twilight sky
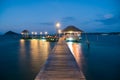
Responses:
[41,15]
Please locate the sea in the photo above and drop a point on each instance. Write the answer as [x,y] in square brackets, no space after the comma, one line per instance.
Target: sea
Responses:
[22,59]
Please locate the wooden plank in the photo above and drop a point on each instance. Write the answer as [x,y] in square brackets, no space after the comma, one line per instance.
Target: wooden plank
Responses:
[60,65]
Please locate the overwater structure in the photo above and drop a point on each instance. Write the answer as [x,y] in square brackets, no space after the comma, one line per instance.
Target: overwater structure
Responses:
[72,33]
[25,34]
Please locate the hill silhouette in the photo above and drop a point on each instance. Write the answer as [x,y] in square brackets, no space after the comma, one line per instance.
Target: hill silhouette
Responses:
[11,33]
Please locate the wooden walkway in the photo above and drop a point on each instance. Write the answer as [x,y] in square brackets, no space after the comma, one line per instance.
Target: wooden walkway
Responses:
[60,65]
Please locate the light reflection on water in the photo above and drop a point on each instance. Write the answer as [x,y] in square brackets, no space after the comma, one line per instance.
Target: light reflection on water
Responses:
[101,60]
[33,54]
[39,50]
[22,49]
[76,50]
[22,60]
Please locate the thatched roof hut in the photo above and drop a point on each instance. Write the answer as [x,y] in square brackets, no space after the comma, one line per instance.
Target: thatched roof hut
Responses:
[72,33]
[25,34]
[25,31]
[72,29]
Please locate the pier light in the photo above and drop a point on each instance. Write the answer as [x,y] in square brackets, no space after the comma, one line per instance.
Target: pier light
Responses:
[58,25]
[59,31]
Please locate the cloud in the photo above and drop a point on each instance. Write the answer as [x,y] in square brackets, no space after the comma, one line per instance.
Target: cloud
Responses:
[109,19]
[47,23]
[68,19]
[108,16]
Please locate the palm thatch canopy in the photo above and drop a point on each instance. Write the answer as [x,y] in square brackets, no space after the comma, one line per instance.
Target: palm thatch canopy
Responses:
[25,31]
[72,28]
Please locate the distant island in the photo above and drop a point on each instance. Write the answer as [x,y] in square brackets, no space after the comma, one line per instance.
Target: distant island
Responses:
[102,33]
[11,35]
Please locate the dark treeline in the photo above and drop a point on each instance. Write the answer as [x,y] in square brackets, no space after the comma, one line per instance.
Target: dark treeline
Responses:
[102,33]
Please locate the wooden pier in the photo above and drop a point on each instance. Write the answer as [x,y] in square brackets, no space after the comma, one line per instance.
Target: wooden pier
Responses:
[60,65]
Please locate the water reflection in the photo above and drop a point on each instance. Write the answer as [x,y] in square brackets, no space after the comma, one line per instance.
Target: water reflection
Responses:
[39,51]
[77,52]
[22,49]
[33,54]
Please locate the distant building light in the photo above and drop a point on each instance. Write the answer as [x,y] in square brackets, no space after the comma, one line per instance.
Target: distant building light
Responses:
[43,37]
[32,32]
[40,32]
[70,31]
[46,33]
[70,39]
[22,33]
[35,33]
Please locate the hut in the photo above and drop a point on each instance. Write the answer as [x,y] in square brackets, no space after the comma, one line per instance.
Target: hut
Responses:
[25,34]
[72,33]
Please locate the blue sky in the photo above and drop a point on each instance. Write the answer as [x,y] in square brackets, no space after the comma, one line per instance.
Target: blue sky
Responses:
[41,15]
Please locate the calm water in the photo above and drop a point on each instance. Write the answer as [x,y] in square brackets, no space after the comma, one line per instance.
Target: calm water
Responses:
[22,60]
[101,61]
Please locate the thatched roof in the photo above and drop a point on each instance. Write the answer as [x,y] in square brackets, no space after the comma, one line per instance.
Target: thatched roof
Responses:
[25,31]
[71,28]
